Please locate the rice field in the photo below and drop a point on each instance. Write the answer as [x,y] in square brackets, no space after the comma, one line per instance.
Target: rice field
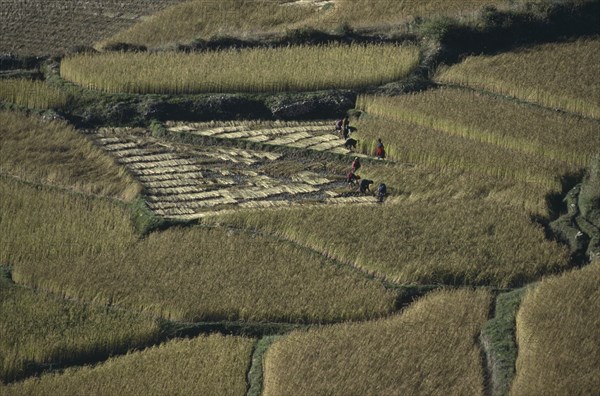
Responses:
[38,329]
[31,94]
[84,248]
[454,241]
[208,365]
[428,349]
[185,182]
[55,153]
[487,119]
[246,70]
[557,333]
[407,142]
[559,76]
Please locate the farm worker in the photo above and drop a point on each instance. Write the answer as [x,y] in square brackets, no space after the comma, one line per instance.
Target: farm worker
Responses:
[379,149]
[345,128]
[381,191]
[355,164]
[364,185]
[338,125]
[351,178]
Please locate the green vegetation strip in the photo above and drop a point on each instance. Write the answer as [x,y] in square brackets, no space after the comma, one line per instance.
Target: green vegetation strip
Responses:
[498,339]
[211,365]
[302,68]
[256,375]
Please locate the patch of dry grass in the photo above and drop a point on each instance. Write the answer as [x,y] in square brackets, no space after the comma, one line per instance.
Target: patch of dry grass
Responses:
[562,76]
[299,68]
[38,329]
[208,365]
[428,349]
[54,153]
[558,337]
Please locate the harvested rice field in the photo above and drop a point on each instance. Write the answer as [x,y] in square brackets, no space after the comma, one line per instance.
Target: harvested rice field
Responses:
[185,182]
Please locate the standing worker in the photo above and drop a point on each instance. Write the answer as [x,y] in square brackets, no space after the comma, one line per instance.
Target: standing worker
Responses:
[355,164]
[380,149]
[381,191]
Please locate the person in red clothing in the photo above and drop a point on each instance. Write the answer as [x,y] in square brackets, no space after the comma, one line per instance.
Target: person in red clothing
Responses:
[379,149]
[352,178]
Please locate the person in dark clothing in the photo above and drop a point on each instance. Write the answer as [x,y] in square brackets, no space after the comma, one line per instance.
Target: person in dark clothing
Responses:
[381,191]
[338,125]
[355,164]
[364,185]
[351,143]
[379,149]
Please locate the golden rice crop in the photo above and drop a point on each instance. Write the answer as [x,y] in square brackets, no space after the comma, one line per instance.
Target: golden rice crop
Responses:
[31,94]
[302,68]
[85,248]
[54,153]
[558,337]
[38,329]
[454,241]
[432,184]
[493,120]
[429,349]
[411,143]
[559,75]
[206,365]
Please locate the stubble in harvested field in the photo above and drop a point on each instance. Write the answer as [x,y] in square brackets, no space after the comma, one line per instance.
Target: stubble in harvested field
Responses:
[428,349]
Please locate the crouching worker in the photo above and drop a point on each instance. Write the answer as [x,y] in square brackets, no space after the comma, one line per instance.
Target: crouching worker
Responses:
[352,178]
[381,191]
[364,186]
[351,143]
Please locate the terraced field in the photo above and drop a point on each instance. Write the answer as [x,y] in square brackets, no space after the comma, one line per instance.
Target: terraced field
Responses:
[187,182]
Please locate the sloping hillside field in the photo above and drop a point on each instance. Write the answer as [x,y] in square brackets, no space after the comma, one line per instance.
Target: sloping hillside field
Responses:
[281,197]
